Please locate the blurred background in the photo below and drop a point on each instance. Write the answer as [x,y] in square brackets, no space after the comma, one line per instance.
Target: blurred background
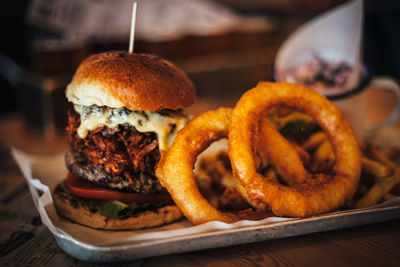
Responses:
[225,46]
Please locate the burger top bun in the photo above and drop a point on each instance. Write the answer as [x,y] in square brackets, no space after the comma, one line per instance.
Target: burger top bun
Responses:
[134,81]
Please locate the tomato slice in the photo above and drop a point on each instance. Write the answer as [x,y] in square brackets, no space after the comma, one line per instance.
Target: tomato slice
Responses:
[80,188]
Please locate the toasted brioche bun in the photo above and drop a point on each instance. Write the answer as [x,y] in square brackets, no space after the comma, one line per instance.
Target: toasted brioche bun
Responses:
[135,81]
[78,212]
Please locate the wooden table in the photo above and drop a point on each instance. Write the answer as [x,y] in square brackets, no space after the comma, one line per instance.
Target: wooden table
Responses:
[367,245]
[370,245]
[25,241]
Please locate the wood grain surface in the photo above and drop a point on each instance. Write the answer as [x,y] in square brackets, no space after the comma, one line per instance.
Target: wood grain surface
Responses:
[369,245]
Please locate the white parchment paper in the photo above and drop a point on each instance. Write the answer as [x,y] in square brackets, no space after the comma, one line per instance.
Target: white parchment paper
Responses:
[335,35]
[43,173]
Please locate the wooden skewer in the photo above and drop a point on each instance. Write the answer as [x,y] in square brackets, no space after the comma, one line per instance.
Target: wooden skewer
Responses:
[133,23]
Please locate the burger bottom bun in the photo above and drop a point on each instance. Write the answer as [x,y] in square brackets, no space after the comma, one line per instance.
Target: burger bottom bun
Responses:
[78,212]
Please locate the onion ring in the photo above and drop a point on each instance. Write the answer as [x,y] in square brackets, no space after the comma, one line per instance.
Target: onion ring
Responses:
[288,163]
[175,169]
[305,194]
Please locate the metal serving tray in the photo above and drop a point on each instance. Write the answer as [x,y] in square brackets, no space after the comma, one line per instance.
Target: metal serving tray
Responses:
[220,238]
[102,246]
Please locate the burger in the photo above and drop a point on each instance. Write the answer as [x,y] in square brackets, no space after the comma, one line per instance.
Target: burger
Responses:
[126,110]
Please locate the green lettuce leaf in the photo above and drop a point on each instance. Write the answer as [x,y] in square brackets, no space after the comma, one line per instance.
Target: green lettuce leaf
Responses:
[112,209]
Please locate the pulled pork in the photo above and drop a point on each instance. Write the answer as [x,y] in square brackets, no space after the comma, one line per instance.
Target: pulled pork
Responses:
[123,153]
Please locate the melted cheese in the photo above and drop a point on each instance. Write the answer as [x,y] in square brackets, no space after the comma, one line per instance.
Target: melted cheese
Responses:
[166,126]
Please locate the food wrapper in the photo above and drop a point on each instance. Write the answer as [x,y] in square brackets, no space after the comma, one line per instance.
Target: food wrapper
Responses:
[333,36]
[43,173]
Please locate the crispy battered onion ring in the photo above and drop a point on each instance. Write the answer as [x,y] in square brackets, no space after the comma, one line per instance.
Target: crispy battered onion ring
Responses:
[175,169]
[306,194]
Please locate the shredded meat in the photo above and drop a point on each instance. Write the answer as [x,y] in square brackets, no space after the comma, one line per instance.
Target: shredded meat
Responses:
[121,151]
